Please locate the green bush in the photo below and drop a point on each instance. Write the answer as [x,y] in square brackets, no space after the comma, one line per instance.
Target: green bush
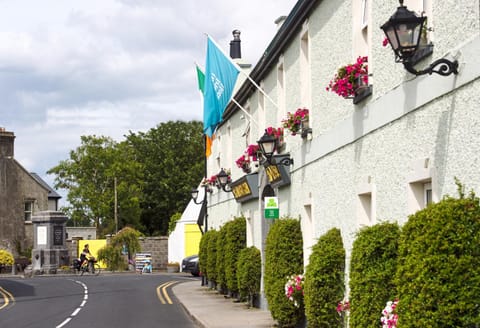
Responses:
[6,258]
[220,263]
[112,257]
[203,253]
[283,258]
[438,276]
[235,241]
[249,273]
[325,281]
[212,255]
[372,271]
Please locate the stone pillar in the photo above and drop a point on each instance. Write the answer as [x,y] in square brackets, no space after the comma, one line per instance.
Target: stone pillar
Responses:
[49,245]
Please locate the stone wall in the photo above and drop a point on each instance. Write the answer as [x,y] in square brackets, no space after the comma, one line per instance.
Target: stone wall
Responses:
[158,247]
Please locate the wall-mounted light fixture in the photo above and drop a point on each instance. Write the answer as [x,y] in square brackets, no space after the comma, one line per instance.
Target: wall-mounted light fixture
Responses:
[268,145]
[403,31]
[222,179]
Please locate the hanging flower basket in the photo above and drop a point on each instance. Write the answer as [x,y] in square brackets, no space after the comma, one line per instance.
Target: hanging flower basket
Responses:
[351,80]
[295,121]
[243,162]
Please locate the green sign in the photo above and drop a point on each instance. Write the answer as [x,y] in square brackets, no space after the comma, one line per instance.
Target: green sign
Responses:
[272,213]
[271,208]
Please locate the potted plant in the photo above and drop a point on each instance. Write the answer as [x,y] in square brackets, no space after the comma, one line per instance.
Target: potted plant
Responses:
[350,80]
[243,162]
[278,134]
[296,121]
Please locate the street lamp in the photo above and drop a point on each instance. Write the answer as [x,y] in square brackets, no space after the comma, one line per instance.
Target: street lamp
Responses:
[223,180]
[404,30]
[268,144]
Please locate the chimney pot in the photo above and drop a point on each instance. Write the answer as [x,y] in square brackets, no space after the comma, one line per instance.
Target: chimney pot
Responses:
[235,47]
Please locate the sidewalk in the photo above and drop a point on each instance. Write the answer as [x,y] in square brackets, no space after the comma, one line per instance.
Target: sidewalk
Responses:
[212,310]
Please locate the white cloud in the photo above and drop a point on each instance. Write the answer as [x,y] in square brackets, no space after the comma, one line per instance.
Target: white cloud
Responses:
[106,67]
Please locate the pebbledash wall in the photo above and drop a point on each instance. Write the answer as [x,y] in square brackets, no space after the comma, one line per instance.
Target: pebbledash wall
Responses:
[375,161]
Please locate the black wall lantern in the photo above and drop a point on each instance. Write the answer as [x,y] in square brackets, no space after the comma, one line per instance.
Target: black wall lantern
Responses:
[222,179]
[403,31]
[268,145]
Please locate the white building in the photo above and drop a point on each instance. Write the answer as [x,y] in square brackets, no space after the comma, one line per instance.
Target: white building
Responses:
[378,160]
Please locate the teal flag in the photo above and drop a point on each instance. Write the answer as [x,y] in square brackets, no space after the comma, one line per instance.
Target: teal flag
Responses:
[220,78]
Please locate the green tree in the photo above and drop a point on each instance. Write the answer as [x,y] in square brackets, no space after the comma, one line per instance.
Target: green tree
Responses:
[172,156]
[89,176]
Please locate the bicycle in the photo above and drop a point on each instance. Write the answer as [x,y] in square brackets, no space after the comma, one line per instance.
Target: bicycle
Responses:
[91,267]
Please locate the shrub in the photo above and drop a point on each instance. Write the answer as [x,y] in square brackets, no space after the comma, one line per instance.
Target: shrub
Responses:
[325,281]
[203,253]
[372,269]
[6,258]
[235,241]
[112,257]
[249,273]
[127,237]
[220,261]
[212,255]
[283,258]
[438,276]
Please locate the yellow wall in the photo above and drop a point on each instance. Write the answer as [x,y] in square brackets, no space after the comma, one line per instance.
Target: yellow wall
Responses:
[93,246]
[192,239]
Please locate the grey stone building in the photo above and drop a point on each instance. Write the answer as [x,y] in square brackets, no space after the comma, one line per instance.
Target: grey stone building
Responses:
[22,194]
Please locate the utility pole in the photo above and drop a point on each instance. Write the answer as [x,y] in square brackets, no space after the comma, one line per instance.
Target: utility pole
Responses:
[115,204]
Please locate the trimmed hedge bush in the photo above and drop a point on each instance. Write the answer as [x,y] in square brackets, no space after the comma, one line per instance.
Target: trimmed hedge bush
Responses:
[438,277]
[112,256]
[203,253]
[249,272]
[220,263]
[212,255]
[325,281]
[235,241]
[6,258]
[372,271]
[283,258]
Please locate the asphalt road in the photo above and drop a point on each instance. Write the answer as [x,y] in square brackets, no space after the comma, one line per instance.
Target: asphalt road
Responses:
[115,300]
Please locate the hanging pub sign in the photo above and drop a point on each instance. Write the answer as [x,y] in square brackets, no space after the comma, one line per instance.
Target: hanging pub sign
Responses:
[278,175]
[245,188]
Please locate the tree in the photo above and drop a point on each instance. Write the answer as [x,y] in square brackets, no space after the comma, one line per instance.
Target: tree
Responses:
[172,156]
[89,176]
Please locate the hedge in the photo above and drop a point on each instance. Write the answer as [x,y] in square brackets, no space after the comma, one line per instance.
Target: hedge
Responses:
[203,253]
[372,271]
[283,258]
[6,258]
[212,255]
[249,272]
[438,277]
[235,241]
[325,281]
[220,262]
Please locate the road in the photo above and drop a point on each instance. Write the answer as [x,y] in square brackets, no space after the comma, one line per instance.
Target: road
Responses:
[108,300]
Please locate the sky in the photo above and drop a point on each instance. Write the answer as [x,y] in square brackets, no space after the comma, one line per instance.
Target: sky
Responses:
[104,68]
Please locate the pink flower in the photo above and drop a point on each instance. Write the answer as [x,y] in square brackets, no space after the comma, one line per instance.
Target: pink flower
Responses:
[385,42]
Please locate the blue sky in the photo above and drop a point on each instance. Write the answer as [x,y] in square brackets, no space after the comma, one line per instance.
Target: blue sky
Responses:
[72,68]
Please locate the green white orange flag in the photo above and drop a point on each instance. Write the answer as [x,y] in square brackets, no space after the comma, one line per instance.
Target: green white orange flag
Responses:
[201,87]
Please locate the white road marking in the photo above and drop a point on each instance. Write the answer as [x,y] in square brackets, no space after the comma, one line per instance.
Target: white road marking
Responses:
[74,313]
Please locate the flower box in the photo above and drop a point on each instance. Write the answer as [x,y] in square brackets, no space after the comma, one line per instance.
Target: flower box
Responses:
[351,81]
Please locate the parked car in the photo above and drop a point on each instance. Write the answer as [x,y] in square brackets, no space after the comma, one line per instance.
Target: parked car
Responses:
[190,264]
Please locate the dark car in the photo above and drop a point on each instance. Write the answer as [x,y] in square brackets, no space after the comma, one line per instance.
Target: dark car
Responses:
[190,264]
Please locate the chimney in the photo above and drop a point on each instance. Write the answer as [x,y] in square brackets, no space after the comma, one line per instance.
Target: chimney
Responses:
[235,48]
[6,143]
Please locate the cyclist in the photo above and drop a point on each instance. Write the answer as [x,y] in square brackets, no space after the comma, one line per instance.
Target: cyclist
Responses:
[86,258]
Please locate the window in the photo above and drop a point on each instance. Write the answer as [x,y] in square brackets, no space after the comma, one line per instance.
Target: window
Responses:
[361,33]
[420,191]
[305,69]
[28,210]
[281,113]
[427,194]
[366,203]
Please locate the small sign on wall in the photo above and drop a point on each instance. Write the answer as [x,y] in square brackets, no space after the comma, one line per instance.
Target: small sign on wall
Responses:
[271,208]
[58,235]
[41,235]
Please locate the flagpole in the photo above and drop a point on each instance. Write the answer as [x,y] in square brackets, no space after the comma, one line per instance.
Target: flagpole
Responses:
[241,71]
[245,111]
